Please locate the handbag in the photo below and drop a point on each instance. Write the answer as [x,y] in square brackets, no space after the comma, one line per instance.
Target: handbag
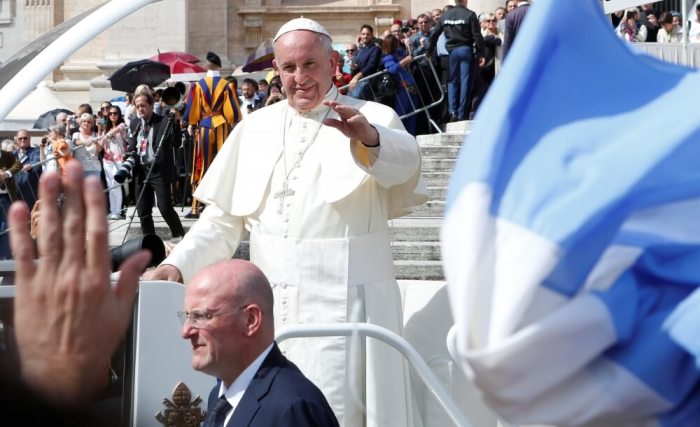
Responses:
[386,86]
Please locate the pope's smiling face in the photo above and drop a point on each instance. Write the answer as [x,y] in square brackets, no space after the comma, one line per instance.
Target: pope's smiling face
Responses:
[306,66]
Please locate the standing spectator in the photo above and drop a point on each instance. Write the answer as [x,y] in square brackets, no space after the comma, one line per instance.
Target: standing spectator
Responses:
[86,147]
[678,21]
[462,33]
[668,32]
[350,59]
[249,99]
[630,29]
[367,63]
[56,147]
[492,52]
[263,86]
[27,180]
[652,25]
[9,167]
[398,31]
[435,14]
[114,144]
[274,94]
[406,98]
[213,107]
[514,19]
[419,40]
[341,78]
[694,31]
[104,110]
[145,137]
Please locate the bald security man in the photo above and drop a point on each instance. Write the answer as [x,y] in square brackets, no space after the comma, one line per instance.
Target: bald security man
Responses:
[229,321]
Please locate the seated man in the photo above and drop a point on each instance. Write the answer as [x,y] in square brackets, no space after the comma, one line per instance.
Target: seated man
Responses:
[230,323]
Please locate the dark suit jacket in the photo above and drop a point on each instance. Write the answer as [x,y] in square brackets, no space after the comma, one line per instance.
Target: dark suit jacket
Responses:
[165,159]
[279,396]
[514,19]
[8,162]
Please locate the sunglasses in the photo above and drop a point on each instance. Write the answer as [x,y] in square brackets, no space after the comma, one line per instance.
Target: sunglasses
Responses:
[351,50]
[490,20]
[22,137]
[114,113]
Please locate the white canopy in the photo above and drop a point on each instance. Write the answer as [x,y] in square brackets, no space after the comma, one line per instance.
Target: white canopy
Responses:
[39,101]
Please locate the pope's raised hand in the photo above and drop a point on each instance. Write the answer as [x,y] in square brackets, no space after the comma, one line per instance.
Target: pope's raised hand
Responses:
[352,123]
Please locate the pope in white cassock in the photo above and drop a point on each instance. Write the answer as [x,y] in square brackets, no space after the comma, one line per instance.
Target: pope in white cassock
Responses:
[315,180]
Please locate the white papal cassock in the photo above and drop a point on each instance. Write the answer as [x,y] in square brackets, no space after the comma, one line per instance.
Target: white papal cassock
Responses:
[325,248]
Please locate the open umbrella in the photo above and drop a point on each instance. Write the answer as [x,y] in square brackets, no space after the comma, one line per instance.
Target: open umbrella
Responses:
[133,74]
[49,118]
[185,72]
[260,58]
[170,57]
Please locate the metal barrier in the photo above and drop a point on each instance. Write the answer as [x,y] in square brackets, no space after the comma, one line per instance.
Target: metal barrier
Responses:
[424,93]
[676,53]
[387,337]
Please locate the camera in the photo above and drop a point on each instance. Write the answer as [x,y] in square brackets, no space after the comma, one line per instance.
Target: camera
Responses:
[406,29]
[126,169]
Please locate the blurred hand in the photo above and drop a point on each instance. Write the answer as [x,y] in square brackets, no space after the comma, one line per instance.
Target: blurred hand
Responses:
[68,319]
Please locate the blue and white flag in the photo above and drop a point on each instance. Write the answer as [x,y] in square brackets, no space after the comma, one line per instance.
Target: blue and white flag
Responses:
[572,231]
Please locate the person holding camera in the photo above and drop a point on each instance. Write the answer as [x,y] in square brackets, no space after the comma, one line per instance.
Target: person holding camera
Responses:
[114,144]
[54,146]
[155,165]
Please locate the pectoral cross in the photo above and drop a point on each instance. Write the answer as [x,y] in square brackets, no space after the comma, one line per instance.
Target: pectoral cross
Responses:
[284,192]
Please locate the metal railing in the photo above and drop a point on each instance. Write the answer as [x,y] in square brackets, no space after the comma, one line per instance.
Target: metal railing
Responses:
[429,92]
[389,338]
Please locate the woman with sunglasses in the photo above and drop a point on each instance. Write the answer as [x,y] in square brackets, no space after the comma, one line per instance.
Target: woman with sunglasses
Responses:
[86,146]
[114,144]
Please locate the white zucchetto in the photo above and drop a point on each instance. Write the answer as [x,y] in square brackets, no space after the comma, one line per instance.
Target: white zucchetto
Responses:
[301,24]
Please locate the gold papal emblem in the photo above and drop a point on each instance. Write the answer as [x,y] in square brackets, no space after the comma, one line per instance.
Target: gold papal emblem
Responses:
[182,410]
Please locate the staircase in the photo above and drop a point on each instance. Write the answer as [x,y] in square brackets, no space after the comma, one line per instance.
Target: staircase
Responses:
[415,238]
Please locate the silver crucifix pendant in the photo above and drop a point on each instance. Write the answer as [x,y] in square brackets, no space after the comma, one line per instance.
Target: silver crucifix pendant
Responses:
[284,192]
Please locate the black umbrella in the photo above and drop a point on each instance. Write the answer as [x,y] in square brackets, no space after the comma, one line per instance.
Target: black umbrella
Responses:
[133,74]
[49,118]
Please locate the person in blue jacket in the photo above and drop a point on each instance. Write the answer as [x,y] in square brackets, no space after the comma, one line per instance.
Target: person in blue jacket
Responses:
[406,100]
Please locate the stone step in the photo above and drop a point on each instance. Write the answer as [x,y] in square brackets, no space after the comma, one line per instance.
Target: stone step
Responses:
[416,251]
[440,152]
[429,209]
[442,165]
[438,139]
[418,270]
[437,193]
[436,178]
[409,229]
[463,127]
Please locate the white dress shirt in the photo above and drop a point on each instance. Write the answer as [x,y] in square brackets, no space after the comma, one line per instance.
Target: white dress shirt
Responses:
[236,390]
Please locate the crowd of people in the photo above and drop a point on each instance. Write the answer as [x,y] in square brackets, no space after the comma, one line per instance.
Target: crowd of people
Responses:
[648,23]
[465,49]
[317,215]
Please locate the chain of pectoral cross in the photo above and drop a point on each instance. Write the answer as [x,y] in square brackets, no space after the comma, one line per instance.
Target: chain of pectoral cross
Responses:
[286,190]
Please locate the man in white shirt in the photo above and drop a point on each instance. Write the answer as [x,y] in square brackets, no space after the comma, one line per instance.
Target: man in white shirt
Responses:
[229,321]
